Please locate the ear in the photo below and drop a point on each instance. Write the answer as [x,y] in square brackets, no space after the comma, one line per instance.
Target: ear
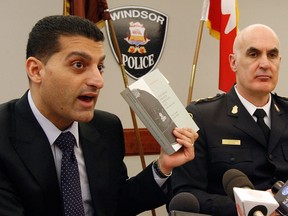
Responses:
[33,69]
[232,61]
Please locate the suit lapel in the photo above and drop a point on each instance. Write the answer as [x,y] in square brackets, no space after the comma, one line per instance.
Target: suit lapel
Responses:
[96,161]
[242,119]
[32,146]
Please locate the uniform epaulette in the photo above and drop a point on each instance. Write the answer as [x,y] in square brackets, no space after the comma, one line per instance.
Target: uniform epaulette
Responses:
[276,95]
[209,99]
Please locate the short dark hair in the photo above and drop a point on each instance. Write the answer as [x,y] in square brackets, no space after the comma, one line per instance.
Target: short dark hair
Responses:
[43,39]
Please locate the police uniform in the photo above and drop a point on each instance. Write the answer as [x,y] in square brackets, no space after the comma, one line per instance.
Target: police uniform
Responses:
[230,138]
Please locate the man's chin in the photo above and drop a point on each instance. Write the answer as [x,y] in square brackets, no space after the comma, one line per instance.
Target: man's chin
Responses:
[85,117]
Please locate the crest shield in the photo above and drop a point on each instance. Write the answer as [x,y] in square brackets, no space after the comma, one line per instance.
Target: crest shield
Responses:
[141,34]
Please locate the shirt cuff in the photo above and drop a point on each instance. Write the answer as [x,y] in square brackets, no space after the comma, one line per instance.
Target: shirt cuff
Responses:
[159,181]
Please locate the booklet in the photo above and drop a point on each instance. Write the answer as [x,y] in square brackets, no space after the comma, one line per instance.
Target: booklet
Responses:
[158,107]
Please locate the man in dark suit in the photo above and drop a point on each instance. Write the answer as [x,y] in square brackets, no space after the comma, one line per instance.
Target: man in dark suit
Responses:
[229,136]
[65,62]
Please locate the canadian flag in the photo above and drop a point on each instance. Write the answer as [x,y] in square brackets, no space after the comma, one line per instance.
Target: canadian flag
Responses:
[222,20]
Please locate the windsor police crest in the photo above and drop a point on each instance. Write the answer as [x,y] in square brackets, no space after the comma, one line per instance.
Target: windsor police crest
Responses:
[141,35]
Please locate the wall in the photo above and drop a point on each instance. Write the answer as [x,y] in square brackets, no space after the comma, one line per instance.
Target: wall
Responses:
[18,17]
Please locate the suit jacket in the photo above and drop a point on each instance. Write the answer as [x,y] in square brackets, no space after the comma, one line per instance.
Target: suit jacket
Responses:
[225,118]
[28,179]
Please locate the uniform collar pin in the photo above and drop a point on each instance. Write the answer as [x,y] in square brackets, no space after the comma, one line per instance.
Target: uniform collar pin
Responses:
[234,110]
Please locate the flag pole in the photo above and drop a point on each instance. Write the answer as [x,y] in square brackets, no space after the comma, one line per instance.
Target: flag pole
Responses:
[125,80]
[66,7]
[195,60]
[197,49]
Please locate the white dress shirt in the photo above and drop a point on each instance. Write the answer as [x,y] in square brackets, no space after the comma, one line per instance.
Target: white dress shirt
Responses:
[252,108]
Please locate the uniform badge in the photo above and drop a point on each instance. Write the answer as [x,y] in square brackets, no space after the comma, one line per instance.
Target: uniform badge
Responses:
[234,109]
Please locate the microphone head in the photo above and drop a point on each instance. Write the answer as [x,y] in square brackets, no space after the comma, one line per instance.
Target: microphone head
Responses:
[235,178]
[184,201]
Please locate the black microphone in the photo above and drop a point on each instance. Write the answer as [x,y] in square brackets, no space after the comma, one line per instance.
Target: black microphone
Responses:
[184,204]
[280,191]
[184,201]
[235,178]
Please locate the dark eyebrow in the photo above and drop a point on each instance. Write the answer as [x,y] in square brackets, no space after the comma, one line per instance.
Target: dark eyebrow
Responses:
[276,50]
[252,49]
[81,54]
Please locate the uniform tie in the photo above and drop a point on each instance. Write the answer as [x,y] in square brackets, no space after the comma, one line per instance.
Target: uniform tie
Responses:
[260,114]
[70,179]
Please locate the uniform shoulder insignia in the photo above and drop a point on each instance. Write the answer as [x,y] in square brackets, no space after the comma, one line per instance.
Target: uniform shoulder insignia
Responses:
[209,99]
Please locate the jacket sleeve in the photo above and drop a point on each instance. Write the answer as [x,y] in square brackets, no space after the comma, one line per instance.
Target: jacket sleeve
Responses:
[10,203]
[141,193]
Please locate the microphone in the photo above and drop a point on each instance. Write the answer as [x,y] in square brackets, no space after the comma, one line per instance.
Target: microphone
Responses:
[280,191]
[249,202]
[184,201]
[235,178]
[184,204]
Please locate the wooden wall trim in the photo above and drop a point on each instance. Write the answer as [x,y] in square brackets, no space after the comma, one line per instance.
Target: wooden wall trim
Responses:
[149,144]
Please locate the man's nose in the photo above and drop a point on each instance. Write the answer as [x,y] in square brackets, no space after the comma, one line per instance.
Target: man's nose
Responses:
[95,79]
[264,62]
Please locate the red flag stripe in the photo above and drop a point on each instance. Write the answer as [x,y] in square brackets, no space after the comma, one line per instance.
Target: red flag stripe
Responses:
[223,16]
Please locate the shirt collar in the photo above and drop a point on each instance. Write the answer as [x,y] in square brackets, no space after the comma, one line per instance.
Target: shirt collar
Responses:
[51,131]
[251,108]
